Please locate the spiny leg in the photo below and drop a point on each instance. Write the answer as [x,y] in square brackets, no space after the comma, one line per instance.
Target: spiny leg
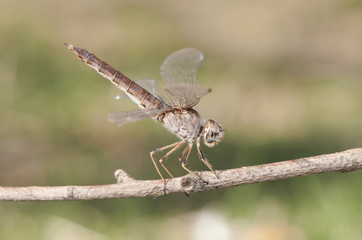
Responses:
[187,149]
[175,147]
[202,156]
[183,159]
[178,145]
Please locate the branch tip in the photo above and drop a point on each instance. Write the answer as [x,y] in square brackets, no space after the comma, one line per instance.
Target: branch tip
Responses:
[122,176]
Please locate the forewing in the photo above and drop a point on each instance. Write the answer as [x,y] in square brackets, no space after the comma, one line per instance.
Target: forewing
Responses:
[181,66]
[133,115]
[179,71]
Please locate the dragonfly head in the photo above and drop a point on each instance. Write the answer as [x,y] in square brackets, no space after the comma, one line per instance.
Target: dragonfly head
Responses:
[213,133]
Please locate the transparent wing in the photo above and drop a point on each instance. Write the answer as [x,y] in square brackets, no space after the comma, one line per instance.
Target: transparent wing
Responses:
[179,71]
[181,66]
[133,115]
[185,95]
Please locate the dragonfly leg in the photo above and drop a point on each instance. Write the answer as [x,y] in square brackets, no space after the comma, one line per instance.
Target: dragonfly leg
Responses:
[175,146]
[203,158]
[183,159]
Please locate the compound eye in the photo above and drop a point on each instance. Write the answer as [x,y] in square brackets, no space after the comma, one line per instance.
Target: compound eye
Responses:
[210,137]
[213,133]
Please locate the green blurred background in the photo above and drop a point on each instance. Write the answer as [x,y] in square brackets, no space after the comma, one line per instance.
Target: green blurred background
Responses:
[286,79]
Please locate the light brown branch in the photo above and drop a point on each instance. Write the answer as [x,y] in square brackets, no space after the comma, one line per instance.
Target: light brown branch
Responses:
[128,187]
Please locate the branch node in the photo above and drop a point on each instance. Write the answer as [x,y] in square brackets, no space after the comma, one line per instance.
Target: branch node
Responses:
[69,194]
[122,176]
[189,184]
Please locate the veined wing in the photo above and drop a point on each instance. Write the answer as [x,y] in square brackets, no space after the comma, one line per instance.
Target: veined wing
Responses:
[133,115]
[179,71]
[186,95]
[181,66]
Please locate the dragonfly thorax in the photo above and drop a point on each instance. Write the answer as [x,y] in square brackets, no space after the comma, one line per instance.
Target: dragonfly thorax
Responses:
[184,123]
[213,133]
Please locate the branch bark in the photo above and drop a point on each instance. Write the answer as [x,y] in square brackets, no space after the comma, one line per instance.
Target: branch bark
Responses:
[127,187]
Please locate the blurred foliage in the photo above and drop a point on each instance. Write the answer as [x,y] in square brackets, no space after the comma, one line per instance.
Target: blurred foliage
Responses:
[286,80]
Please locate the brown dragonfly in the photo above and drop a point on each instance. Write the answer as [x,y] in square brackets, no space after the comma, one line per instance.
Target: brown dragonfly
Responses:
[177,115]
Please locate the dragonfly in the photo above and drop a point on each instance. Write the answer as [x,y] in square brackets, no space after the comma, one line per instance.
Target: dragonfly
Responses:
[176,114]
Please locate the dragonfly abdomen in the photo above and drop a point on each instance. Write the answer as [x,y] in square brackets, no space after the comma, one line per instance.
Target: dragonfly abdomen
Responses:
[138,94]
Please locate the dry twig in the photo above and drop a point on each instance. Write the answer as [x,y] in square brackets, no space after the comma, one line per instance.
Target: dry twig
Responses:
[128,187]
